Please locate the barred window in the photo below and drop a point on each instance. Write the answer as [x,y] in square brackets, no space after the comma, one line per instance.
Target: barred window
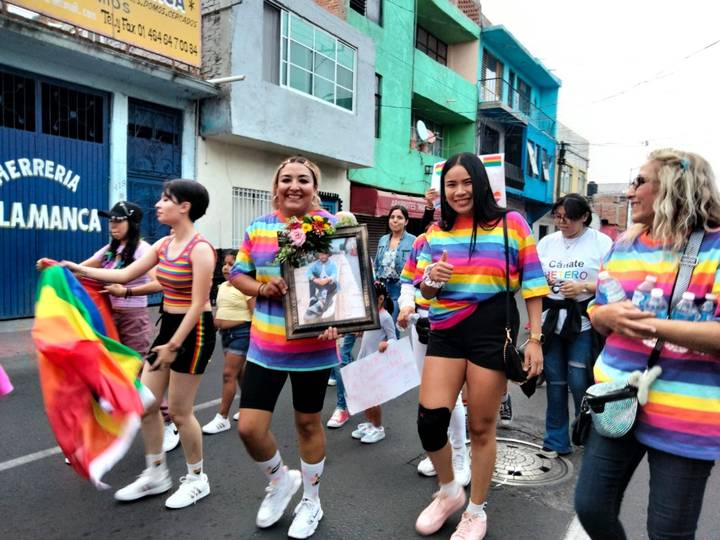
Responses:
[248,204]
[71,113]
[17,102]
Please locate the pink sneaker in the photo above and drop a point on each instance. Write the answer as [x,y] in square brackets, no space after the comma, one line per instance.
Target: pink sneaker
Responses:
[338,419]
[443,506]
[471,527]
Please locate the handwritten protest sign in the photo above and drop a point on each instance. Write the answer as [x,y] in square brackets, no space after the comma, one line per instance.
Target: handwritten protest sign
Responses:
[380,377]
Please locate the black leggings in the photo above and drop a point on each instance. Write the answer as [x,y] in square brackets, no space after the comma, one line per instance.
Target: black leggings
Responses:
[261,388]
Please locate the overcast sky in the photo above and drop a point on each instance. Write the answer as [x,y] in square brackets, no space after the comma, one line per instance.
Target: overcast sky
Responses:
[633,72]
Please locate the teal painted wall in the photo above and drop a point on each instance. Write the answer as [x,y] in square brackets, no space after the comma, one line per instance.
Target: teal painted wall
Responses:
[445,97]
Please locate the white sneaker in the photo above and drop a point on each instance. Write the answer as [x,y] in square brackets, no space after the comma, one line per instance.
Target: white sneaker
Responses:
[373,435]
[461,466]
[152,481]
[359,433]
[308,514]
[236,416]
[216,425]
[278,495]
[332,381]
[193,487]
[171,437]
[426,467]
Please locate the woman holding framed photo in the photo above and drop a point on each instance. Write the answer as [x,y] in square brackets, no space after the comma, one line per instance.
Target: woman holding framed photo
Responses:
[464,265]
[271,358]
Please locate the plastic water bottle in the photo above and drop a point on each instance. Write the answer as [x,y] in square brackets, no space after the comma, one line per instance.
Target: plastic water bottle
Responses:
[642,293]
[658,306]
[707,310]
[685,310]
[610,288]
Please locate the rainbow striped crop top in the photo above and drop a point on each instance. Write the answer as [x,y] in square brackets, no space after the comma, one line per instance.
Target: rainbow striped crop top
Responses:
[175,275]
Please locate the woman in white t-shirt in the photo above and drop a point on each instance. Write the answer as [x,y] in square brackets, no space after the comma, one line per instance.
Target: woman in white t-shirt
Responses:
[571,259]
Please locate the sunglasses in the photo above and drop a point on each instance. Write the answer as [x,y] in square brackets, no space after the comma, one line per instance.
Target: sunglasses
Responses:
[637,182]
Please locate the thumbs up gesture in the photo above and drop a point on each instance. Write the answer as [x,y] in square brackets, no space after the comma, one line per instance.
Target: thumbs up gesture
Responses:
[442,270]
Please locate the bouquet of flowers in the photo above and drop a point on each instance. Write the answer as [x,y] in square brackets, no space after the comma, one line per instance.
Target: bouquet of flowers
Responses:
[303,237]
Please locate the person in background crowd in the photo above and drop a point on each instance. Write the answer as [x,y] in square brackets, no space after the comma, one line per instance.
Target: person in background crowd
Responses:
[392,252]
[185,262]
[271,358]
[571,258]
[464,269]
[674,193]
[232,319]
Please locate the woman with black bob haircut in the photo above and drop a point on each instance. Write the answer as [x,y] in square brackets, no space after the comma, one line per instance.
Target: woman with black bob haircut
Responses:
[464,277]
[577,208]
[184,262]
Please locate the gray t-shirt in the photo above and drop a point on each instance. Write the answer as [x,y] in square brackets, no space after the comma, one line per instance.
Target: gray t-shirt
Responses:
[371,339]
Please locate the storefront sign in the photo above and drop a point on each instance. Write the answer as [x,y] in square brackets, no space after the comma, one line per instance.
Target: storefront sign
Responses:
[495,168]
[166,27]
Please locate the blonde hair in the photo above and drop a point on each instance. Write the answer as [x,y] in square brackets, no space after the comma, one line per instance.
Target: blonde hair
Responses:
[686,198]
[314,172]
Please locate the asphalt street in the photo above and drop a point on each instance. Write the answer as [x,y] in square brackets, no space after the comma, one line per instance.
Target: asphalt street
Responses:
[368,491]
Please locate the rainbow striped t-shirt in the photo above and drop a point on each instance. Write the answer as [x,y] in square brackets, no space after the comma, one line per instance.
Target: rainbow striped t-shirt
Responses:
[481,276]
[682,416]
[268,346]
[410,274]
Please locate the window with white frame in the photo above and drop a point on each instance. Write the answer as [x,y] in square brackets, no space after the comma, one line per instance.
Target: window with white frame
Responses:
[247,205]
[545,165]
[532,159]
[316,63]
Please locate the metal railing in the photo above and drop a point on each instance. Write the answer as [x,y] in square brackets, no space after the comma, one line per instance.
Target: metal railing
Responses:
[501,91]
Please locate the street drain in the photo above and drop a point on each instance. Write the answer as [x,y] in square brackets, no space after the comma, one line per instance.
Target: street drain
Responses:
[520,463]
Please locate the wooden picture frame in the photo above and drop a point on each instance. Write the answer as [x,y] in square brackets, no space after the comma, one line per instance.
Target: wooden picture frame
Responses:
[347,301]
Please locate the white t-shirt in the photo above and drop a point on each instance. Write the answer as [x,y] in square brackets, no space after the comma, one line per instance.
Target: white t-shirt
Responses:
[572,259]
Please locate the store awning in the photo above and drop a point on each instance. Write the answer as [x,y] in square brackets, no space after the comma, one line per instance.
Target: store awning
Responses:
[370,201]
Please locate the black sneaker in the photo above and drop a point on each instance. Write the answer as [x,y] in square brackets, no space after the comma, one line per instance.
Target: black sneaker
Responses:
[506,412]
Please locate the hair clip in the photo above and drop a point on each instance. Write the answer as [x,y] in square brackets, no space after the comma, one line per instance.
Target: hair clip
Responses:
[685,164]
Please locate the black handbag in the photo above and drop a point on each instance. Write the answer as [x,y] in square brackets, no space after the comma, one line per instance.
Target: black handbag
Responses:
[511,355]
[618,418]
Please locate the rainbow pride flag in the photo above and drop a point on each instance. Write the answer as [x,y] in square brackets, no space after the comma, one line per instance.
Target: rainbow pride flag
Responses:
[93,398]
[492,160]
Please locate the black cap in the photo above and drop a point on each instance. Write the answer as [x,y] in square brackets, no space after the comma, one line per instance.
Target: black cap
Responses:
[123,210]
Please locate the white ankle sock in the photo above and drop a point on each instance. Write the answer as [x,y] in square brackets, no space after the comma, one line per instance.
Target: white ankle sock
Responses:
[311,474]
[155,460]
[477,509]
[451,488]
[272,468]
[195,468]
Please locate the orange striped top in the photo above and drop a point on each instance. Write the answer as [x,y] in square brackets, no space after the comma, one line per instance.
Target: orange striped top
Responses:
[175,275]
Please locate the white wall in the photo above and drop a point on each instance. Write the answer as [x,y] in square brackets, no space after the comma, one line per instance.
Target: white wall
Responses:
[222,166]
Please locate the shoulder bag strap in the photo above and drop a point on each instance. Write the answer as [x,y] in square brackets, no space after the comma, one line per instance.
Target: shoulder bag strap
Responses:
[507,275]
[688,261]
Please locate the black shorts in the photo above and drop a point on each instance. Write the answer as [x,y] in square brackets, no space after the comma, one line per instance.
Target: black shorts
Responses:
[478,338]
[197,349]
[261,388]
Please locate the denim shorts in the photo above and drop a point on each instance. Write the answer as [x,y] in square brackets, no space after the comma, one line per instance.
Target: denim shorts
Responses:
[236,340]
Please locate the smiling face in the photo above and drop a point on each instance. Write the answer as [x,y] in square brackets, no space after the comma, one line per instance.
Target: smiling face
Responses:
[642,193]
[295,190]
[228,262]
[397,221]
[459,190]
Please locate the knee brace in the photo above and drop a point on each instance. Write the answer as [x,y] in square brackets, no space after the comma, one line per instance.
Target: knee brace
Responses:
[433,427]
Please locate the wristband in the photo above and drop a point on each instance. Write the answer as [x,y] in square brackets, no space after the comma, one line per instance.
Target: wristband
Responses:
[259,290]
[430,282]
[128,292]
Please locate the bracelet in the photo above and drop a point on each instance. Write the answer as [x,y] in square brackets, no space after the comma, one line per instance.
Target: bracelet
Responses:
[259,290]
[427,280]
[128,292]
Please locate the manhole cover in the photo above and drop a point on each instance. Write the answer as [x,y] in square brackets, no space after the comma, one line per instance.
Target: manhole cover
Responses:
[520,463]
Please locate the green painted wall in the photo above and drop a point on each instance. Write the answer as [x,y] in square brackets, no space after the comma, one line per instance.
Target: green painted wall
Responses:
[410,78]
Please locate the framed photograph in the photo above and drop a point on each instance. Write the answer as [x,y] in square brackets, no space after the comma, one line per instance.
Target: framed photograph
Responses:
[332,289]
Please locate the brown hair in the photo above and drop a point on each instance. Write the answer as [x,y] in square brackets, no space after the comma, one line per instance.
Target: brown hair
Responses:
[314,172]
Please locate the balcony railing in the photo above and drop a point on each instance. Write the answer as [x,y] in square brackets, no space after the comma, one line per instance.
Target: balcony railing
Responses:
[501,91]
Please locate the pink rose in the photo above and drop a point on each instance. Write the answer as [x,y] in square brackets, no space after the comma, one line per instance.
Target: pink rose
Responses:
[297,237]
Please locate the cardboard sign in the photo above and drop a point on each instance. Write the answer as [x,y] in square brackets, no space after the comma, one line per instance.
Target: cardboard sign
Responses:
[380,377]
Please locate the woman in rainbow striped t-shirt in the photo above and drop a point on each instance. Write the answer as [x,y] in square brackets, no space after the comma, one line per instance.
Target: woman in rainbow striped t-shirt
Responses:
[272,359]
[464,268]
[679,427]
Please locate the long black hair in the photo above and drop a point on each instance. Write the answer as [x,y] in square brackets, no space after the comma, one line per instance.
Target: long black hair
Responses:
[486,211]
[132,239]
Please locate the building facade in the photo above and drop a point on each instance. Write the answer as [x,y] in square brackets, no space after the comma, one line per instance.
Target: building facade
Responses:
[308,89]
[425,71]
[517,116]
[573,160]
[86,121]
